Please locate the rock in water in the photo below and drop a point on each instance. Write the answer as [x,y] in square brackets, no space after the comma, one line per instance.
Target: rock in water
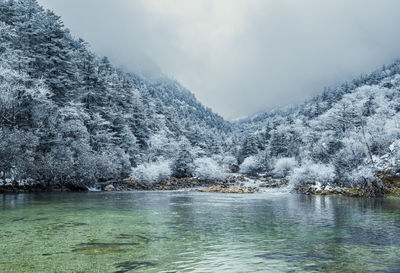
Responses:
[109,188]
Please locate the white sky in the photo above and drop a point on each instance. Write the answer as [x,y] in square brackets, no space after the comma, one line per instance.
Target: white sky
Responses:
[240,57]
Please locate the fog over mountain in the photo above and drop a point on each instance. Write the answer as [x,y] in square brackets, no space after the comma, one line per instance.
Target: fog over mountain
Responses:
[241,57]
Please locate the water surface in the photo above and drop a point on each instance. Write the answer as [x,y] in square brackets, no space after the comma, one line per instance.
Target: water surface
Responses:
[197,232]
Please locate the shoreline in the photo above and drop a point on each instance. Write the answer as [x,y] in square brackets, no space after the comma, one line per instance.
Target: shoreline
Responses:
[240,184]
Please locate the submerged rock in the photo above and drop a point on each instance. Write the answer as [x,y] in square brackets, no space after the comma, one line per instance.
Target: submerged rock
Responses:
[131,265]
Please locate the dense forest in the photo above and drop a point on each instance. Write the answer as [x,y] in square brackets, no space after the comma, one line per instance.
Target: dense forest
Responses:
[69,116]
[347,135]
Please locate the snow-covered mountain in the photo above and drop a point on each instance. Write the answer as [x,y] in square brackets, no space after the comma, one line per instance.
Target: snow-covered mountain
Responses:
[69,116]
[346,135]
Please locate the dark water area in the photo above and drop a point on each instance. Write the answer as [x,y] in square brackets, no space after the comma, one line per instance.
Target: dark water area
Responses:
[197,232]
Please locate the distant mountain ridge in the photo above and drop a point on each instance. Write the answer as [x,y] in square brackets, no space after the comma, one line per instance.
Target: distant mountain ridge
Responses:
[331,94]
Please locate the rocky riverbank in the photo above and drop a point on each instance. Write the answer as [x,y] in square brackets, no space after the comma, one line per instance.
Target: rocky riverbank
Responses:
[387,184]
[229,189]
[240,184]
[14,188]
[172,183]
[232,184]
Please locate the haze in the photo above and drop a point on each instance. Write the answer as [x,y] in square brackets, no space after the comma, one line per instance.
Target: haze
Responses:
[241,57]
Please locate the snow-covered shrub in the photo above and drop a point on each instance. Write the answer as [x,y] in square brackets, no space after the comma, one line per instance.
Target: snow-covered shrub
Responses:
[229,159]
[361,176]
[207,168]
[352,154]
[152,172]
[216,157]
[251,165]
[227,162]
[312,172]
[284,166]
[394,149]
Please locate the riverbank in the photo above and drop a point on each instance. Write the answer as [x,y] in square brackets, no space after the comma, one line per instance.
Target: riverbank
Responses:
[386,185]
[232,184]
[117,185]
[239,184]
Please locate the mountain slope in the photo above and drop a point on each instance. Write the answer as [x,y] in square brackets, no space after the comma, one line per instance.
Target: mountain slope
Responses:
[348,135]
[71,117]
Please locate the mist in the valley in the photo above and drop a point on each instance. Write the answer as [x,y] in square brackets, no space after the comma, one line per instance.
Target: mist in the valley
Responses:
[240,57]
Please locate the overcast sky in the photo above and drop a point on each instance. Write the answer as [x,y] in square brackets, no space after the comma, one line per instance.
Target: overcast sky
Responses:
[241,57]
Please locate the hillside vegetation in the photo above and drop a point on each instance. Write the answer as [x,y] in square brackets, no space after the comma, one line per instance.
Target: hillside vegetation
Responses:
[69,117]
[348,135]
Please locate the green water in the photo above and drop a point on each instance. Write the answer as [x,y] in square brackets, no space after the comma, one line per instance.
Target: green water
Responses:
[197,232]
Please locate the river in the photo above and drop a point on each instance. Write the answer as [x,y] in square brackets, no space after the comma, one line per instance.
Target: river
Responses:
[197,232]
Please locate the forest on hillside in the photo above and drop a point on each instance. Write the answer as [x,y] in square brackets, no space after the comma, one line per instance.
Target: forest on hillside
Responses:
[69,116]
[347,135]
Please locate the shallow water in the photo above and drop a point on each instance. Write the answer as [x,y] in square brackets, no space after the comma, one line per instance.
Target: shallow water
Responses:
[197,232]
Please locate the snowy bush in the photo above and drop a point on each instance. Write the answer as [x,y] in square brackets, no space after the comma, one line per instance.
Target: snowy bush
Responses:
[394,148]
[229,159]
[284,166]
[351,155]
[207,168]
[251,165]
[312,172]
[362,175]
[227,162]
[152,172]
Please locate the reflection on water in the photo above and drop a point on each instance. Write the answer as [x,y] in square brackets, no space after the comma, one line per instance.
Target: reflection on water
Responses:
[197,232]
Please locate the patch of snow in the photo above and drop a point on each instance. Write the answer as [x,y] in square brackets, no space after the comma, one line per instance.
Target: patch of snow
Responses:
[392,147]
[94,188]
[317,186]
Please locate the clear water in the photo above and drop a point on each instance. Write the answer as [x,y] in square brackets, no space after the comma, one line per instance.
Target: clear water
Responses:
[197,232]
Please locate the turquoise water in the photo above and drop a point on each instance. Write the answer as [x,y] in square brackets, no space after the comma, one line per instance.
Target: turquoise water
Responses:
[197,232]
